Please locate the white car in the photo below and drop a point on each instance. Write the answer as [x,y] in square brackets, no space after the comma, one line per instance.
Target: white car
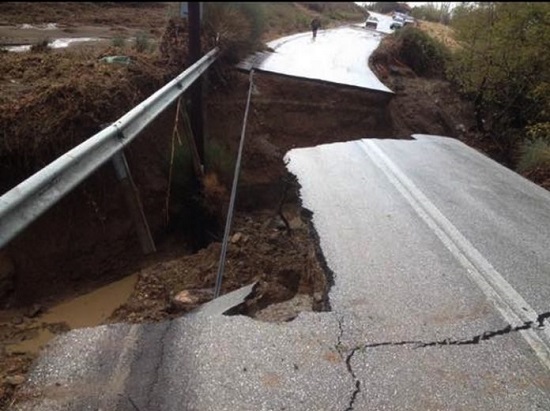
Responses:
[396,25]
[400,20]
[371,23]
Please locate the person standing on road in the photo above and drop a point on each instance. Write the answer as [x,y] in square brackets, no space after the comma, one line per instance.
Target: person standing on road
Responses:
[315,25]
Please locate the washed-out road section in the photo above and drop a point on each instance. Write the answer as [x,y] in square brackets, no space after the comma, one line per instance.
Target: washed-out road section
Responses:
[440,301]
[441,286]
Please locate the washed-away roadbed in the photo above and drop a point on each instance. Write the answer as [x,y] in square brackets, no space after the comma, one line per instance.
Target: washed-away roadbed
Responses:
[439,301]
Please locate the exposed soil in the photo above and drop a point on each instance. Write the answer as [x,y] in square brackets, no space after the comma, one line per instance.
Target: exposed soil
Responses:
[88,241]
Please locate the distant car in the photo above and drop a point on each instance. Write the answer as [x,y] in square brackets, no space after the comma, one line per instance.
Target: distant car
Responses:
[371,23]
[396,25]
[400,20]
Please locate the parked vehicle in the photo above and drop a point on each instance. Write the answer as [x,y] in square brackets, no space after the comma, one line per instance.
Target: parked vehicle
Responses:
[371,23]
[396,25]
[401,20]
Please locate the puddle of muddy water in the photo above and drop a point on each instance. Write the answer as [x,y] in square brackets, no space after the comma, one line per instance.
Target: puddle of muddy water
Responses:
[85,311]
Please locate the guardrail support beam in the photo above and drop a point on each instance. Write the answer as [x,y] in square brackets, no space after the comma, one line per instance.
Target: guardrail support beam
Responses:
[133,202]
[23,204]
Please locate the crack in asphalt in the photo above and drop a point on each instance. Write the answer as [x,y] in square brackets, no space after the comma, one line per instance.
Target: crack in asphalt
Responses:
[347,359]
[357,381]
[476,339]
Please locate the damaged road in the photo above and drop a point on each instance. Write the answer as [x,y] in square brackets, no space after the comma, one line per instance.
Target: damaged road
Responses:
[427,244]
[433,246]
[424,314]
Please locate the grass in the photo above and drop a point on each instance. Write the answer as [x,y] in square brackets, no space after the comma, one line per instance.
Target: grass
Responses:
[142,43]
[440,32]
[118,42]
[220,160]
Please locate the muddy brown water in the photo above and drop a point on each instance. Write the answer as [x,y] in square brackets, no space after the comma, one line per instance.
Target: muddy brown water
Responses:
[87,310]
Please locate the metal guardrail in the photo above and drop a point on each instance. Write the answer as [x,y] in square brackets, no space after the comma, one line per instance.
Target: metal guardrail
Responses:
[27,201]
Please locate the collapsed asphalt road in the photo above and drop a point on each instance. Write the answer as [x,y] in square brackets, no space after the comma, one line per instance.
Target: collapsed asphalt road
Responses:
[439,302]
[441,278]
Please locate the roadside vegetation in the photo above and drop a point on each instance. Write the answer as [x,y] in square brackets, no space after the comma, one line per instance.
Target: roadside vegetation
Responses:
[433,12]
[498,61]
[504,68]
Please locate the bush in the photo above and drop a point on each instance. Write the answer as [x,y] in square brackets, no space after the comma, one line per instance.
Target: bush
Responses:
[503,67]
[535,154]
[386,7]
[236,27]
[142,43]
[421,52]
[40,47]
[437,13]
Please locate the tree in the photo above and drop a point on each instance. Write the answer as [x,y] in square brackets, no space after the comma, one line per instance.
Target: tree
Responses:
[436,12]
[386,7]
[503,66]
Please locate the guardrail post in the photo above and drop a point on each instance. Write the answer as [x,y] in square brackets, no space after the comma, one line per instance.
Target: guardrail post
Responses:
[131,195]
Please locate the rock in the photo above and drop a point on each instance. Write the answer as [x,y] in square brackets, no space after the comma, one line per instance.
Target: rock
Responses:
[185,297]
[188,298]
[15,380]
[236,238]
[17,320]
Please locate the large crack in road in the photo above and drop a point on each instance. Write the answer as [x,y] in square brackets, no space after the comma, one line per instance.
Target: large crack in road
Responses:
[347,355]
[476,339]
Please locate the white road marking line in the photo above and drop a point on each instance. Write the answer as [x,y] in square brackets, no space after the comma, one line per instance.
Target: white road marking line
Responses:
[511,305]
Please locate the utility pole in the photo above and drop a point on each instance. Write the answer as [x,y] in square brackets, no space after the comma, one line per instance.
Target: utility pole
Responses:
[195,91]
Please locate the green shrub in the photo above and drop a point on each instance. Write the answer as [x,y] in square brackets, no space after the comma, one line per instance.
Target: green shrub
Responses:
[535,154]
[421,52]
[142,42]
[236,27]
[436,12]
